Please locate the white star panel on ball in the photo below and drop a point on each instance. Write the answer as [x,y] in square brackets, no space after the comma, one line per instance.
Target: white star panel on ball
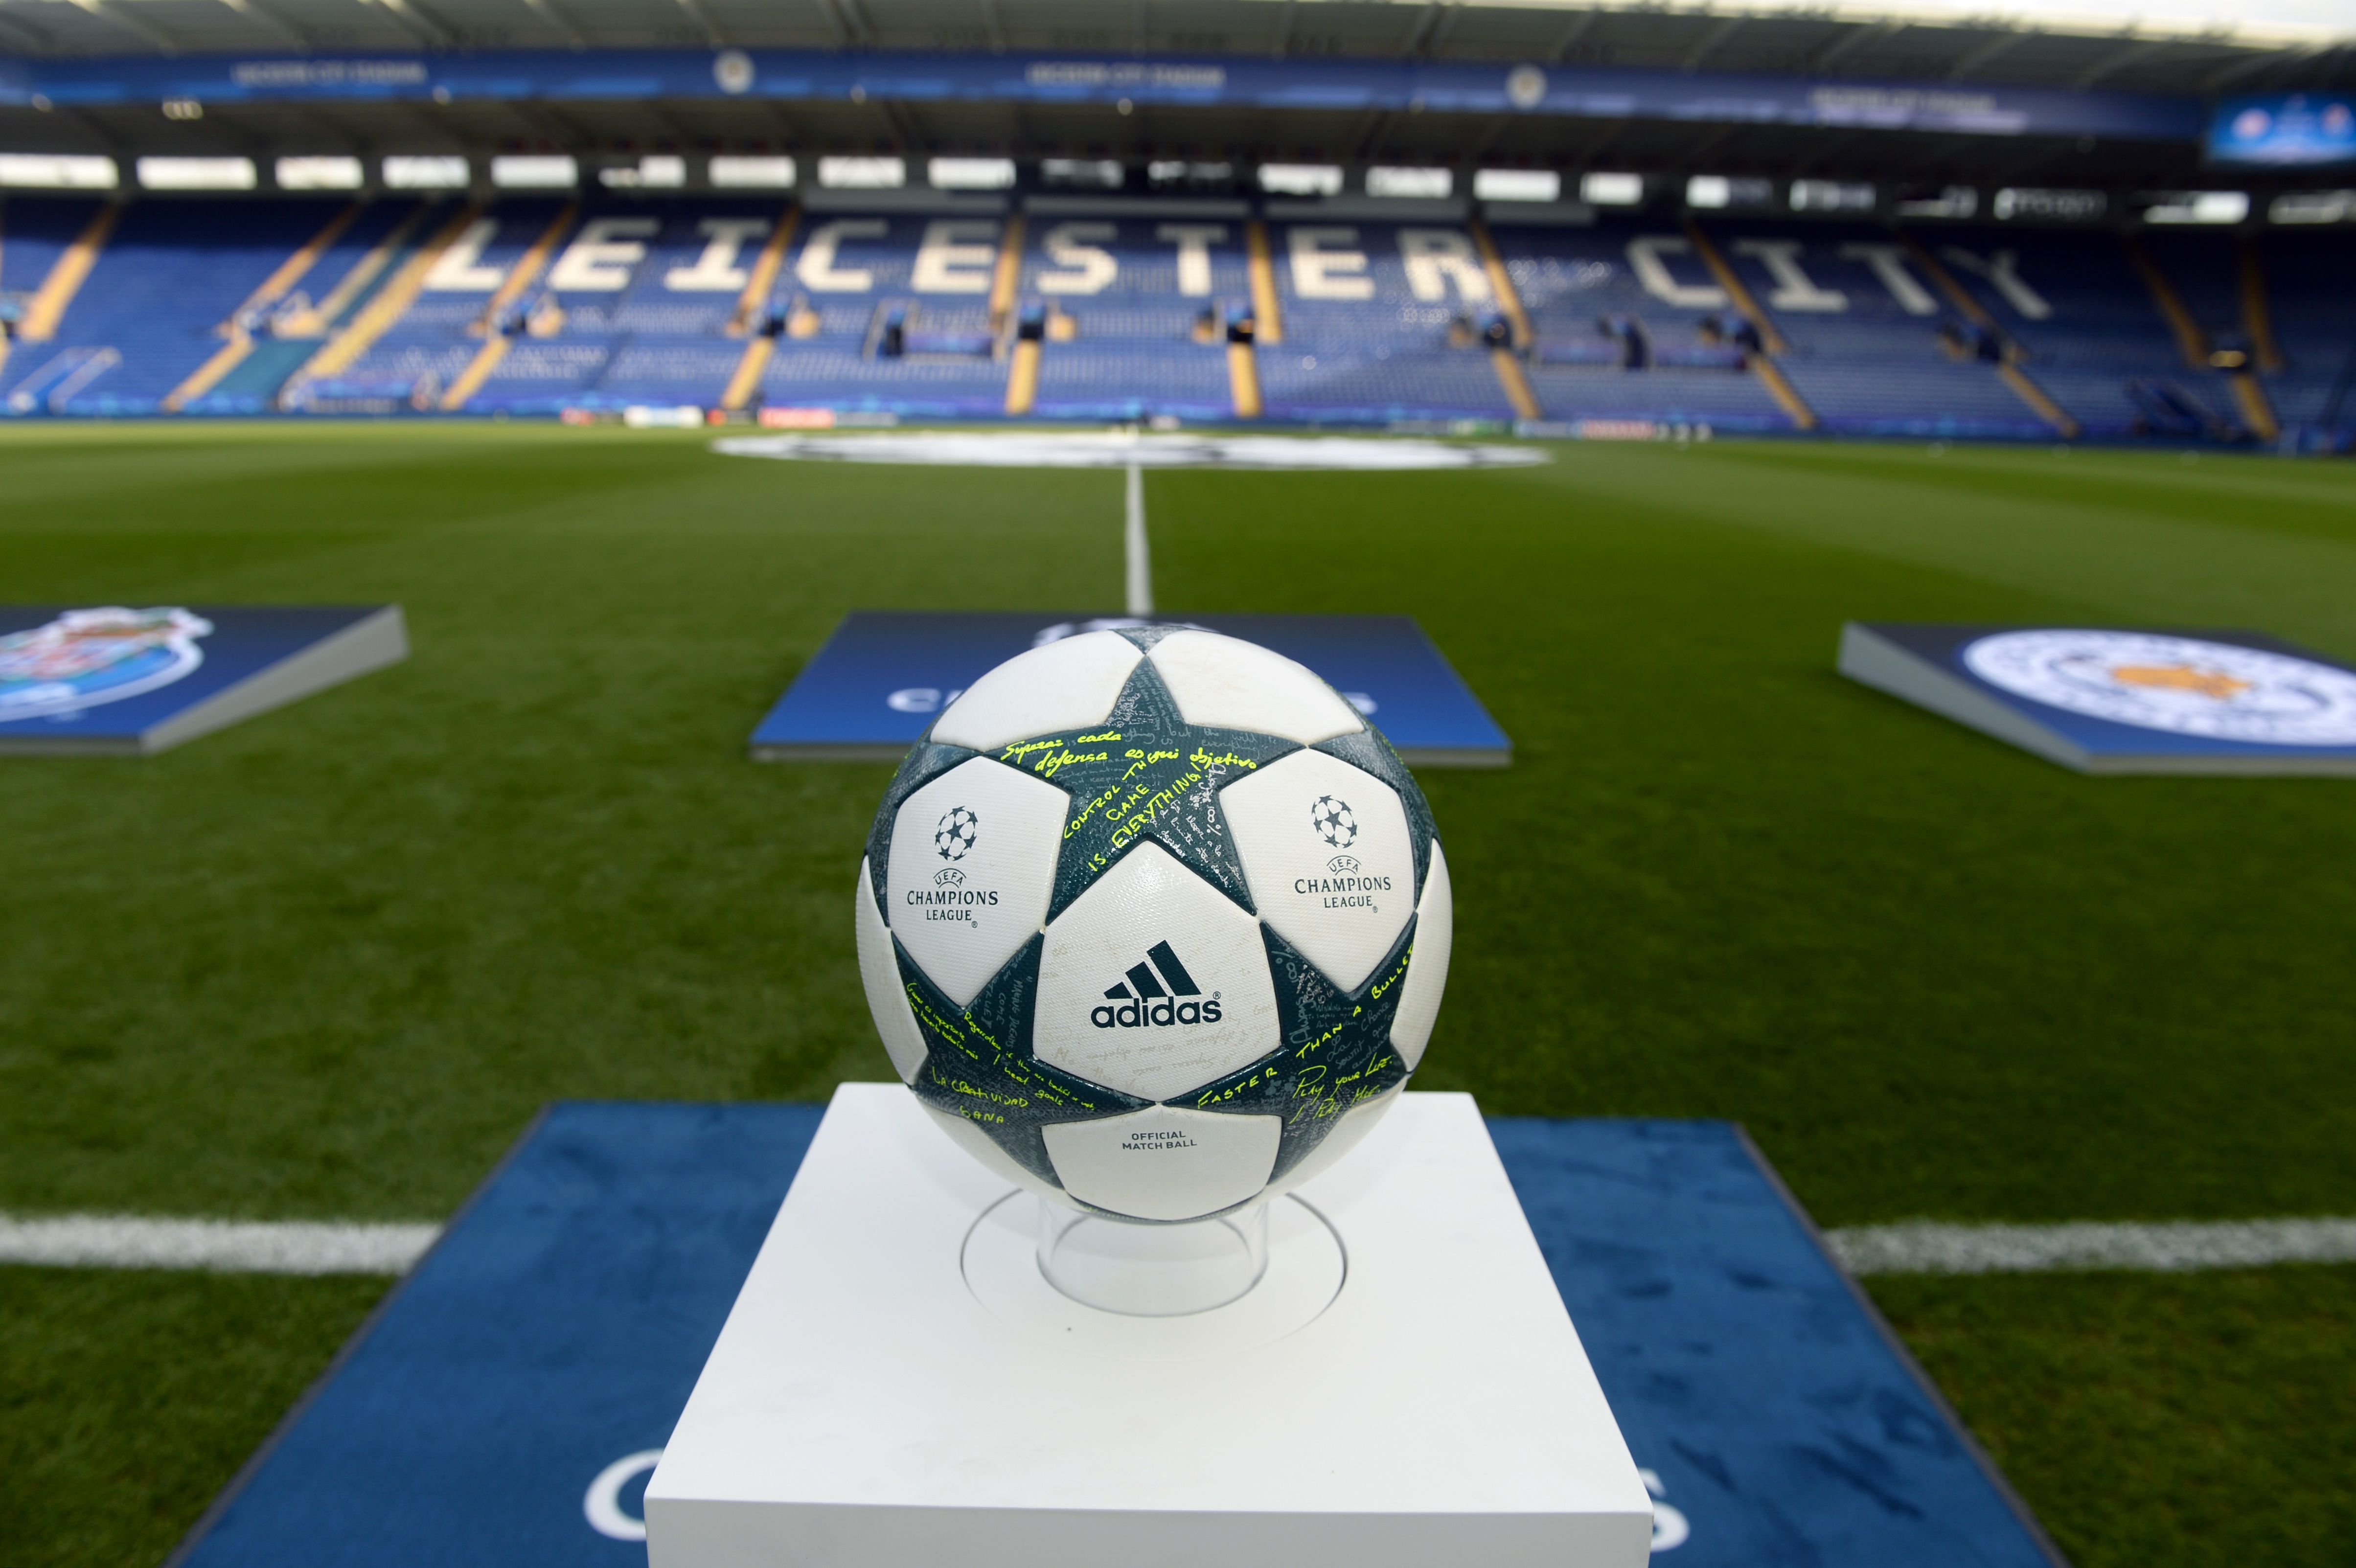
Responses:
[1165,1164]
[973,860]
[1227,683]
[1328,858]
[1151,941]
[1066,684]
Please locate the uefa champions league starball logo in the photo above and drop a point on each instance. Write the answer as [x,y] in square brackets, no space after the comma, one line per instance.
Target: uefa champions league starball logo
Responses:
[1331,820]
[2188,685]
[86,657]
[956,832]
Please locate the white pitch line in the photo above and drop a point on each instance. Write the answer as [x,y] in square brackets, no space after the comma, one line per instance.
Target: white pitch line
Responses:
[1923,1247]
[233,1246]
[1139,559]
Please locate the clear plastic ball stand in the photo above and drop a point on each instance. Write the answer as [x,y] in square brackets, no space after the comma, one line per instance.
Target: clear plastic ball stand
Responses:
[1152,1271]
[1157,1293]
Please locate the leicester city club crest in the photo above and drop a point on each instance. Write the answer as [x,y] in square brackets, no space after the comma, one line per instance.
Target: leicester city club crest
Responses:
[2188,686]
[85,657]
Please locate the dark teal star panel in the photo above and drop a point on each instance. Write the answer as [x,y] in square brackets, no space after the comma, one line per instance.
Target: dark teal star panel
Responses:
[1336,1053]
[1368,751]
[979,1062]
[924,762]
[1145,775]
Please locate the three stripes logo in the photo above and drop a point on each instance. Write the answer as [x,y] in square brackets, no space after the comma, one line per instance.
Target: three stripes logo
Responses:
[1151,997]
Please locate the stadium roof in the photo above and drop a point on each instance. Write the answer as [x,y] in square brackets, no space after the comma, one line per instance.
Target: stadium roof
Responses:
[2091,49]
[2165,46]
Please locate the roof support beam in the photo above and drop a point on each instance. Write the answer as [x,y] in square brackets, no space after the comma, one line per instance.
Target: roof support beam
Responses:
[906,133]
[991,29]
[2120,59]
[1717,137]
[418,23]
[1994,48]
[1425,20]
[2257,61]
[1857,37]
[154,36]
[2030,162]
[1284,31]
[100,132]
[701,20]
[1831,146]
[1726,28]
[1571,35]
[270,21]
[32,35]
[653,110]
[770,111]
[1447,16]
[1584,157]
[548,12]
[552,124]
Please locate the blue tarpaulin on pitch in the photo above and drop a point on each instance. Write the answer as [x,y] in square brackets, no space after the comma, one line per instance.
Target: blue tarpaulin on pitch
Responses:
[557,1329]
[879,681]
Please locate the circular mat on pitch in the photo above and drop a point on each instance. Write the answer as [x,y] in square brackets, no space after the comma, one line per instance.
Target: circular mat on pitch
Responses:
[1091,448]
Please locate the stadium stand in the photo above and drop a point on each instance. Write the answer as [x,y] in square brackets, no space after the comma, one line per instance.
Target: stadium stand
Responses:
[1147,301]
[2313,316]
[1337,314]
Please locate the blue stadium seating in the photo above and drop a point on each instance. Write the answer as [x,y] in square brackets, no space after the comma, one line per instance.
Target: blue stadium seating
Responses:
[1385,354]
[1133,354]
[289,327]
[2086,319]
[2314,311]
[1949,330]
[169,277]
[33,232]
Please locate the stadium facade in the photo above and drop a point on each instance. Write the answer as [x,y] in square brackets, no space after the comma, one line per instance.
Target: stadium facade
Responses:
[1572,219]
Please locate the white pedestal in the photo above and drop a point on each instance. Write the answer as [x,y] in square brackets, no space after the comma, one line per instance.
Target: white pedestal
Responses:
[897,1385]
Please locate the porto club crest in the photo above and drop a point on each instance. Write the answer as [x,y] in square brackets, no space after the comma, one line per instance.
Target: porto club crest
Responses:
[2188,686]
[86,657]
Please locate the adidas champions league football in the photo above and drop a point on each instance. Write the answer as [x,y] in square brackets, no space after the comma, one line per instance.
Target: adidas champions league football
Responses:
[1153,922]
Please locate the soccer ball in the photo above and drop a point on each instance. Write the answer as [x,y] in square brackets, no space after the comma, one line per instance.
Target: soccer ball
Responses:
[1153,922]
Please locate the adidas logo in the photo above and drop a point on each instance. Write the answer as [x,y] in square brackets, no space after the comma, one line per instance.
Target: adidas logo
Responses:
[1149,999]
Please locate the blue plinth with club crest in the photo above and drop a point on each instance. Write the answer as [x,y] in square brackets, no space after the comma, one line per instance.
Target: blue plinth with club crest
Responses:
[2123,699]
[118,678]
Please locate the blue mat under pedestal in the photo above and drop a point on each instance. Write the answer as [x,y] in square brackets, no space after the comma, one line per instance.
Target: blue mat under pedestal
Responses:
[551,1338]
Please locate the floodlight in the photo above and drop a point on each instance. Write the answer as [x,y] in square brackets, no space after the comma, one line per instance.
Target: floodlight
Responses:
[862,174]
[1517,185]
[1408,182]
[319,174]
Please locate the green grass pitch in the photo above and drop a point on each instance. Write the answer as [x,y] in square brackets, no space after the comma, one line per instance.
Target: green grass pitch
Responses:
[327,963]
